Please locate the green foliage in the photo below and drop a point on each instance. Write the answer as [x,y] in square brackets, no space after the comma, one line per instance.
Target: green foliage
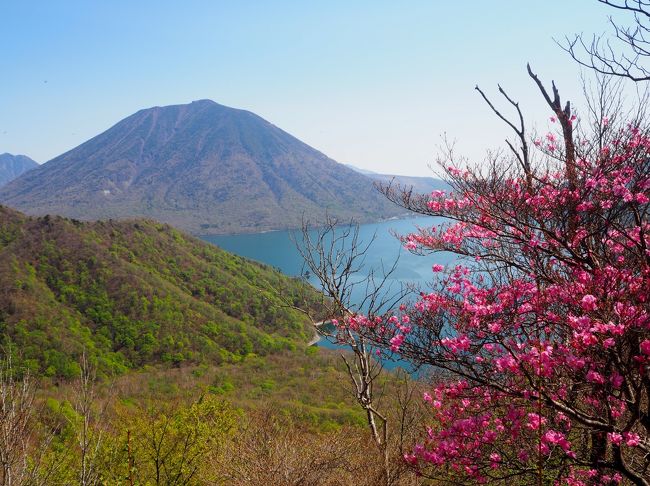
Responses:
[169,444]
[136,293]
[201,424]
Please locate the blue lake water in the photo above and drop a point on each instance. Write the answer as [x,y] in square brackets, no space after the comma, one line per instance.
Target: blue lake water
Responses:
[277,248]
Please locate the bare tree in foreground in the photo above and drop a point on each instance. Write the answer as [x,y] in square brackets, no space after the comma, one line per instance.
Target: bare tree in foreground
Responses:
[20,462]
[627,54]
[90,426]
[335,255]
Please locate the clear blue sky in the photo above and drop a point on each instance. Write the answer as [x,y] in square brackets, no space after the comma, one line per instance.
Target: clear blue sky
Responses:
[371,83]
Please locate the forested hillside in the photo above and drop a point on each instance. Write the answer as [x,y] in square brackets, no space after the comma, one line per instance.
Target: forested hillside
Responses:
[135,354]
[134,293]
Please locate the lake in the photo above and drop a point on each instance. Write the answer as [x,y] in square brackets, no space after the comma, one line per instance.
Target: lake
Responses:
[276,248]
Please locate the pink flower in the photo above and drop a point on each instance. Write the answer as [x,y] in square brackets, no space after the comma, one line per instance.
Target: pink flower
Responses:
[588,302]
[437,267]
[645,347]
[616,380]
[615,438]
[535,421]
[632,439]
[396,342]
[411,459]
[410,245]
[641,198]
[495,459]
[595,377]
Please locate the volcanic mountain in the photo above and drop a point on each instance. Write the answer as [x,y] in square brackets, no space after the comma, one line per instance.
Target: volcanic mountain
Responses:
[202,167]
[12,166]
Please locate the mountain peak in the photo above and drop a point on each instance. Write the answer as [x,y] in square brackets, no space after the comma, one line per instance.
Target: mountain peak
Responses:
[12,166]
[203,167]
[204,102]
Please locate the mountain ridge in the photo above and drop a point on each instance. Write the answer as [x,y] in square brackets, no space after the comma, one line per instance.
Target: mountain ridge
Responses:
[419,184]
[13,166]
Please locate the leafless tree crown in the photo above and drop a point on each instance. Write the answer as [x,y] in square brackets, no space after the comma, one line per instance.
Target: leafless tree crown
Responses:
[626,53]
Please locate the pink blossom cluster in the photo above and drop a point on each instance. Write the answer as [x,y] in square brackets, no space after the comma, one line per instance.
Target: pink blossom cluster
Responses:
[548,330]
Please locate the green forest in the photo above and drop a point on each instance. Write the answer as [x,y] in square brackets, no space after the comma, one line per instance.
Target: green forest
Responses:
[136,354]
[136,293]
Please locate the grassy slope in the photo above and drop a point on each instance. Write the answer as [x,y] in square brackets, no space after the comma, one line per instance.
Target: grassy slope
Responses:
[135,293]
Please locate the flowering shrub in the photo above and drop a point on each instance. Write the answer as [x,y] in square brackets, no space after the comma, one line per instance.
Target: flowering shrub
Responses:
[541,334]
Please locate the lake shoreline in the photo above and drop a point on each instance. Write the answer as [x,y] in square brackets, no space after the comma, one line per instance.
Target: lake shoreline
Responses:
[317,337]
[400,217]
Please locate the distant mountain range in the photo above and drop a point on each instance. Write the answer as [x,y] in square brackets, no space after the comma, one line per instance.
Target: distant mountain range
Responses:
[201,167]
[12,166]
[422,185]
